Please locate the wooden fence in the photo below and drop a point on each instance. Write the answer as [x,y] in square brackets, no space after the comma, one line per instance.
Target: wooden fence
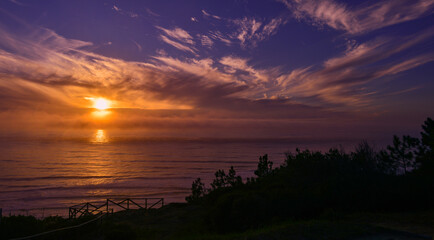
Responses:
[110,205]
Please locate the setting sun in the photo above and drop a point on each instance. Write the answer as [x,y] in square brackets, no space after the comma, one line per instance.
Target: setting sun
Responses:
[101,103]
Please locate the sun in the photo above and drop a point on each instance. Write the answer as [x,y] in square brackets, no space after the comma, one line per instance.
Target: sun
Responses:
[101,103]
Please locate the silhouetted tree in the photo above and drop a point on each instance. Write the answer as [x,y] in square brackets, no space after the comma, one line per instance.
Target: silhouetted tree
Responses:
[428,134]
[222,180]
[334,153]
[425,156]
[232,179]
[403,152]
[365,157]
[219,180]
[197,191]
[265,167]
[385,164]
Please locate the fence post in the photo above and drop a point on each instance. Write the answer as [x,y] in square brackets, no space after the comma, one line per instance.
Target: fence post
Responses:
[1,212]
[128,204]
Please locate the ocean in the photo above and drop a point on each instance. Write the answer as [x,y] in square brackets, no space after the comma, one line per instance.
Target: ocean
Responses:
[44,176]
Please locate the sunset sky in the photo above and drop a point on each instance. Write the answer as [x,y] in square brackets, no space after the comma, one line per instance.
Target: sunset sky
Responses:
[259,69]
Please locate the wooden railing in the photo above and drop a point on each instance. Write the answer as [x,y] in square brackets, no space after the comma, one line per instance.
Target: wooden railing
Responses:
[39,213]
[109,206]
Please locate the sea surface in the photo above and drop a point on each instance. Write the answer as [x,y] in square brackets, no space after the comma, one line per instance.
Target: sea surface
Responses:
[43,176]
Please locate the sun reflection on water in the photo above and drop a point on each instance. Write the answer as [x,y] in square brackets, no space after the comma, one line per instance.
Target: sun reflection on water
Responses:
[100,137]
[100,113]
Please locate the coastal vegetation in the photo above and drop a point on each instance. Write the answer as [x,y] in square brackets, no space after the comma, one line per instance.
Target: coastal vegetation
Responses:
[312,183]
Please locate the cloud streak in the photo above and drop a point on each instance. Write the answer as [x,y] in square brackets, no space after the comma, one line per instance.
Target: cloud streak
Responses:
[206,41]
[343,79]
[206,14]
[123,12]
[364,19]
[247,31]
[178,38]
[251,31]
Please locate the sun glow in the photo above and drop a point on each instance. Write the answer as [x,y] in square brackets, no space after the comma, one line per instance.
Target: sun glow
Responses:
[101,103]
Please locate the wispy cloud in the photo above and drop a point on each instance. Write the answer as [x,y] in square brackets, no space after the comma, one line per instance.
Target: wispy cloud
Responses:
[342,79]
[202,68]
[123,12]
[206,41]
[205,13]
[406,65]
[180,39]
[178,34]
[139,47]
[363,18]
[152,13]
[177,45]
[271,27]
[404,91]
[247,29]
[217,35]
[246,73]
[251,31]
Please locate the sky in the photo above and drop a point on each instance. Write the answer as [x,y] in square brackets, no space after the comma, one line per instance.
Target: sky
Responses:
[240,68]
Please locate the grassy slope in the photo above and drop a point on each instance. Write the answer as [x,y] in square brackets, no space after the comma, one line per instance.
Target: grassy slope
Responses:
[183,221]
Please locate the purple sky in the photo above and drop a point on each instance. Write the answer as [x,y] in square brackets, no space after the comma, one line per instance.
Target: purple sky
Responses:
[285,68]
